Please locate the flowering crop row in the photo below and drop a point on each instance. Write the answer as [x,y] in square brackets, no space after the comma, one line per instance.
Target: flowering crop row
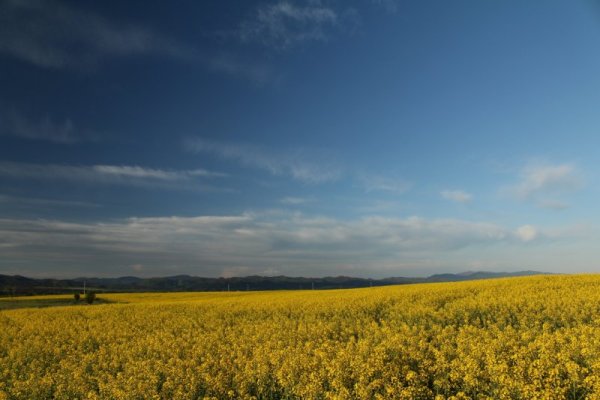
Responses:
[518,338]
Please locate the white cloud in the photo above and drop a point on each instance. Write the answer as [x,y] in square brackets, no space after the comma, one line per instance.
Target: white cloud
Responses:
[53,35]
[295,201]
[379,207]
[527,233]
[458,196]
[285,24]
[150,173]
[302,165]
[108,174]
[137,267]
[548,178]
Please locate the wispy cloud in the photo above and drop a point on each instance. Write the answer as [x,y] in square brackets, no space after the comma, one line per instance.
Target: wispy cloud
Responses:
[15,124]
[296,201]
[150,173]
[546,184]
[389,5]
[553,204]
[286,242]
[109,174]
[51,34]
[230,64]
[372,183]
[55,35]
[44,202]
[548,178]
[308,166]
[458,196]
[285,24]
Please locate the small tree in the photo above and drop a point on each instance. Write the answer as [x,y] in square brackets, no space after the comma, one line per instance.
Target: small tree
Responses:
[90,297]
[77,296]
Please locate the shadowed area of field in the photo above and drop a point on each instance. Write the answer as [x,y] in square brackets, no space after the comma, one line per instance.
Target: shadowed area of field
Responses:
[41,302]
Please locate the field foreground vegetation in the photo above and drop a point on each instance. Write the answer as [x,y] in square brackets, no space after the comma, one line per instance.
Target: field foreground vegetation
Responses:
[517,338]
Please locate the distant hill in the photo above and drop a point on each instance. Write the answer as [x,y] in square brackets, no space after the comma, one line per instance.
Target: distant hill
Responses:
[474,275]
[20,285]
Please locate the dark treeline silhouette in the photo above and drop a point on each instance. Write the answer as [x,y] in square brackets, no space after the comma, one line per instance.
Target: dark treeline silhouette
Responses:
[16,285]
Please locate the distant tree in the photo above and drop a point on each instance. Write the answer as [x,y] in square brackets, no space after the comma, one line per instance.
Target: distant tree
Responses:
[90,297]
[77,296]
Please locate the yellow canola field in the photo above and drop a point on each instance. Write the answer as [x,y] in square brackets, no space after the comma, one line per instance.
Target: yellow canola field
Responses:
[519,338]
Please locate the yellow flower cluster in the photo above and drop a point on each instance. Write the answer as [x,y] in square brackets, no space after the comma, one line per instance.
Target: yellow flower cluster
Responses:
[519,338]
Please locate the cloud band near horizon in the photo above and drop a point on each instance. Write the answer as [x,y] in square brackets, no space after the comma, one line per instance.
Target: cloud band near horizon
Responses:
[279,242]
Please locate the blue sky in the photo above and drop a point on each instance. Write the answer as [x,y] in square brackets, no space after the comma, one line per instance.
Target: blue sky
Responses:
[306,138]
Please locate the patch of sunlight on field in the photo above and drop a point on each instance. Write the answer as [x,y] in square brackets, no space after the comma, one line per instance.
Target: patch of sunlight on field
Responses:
[535,337]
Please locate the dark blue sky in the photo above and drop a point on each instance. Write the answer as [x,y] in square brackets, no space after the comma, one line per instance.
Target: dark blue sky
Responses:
[367,138]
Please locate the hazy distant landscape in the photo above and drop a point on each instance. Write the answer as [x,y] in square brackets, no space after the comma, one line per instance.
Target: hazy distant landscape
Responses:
[20,285]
